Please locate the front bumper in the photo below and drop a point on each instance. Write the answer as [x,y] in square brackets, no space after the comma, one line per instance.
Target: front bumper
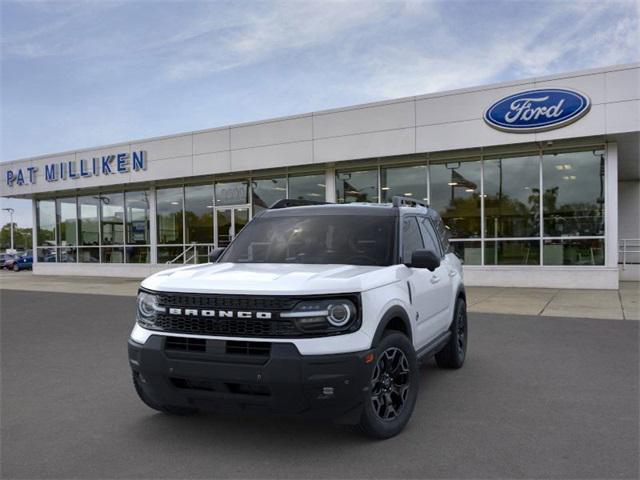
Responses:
[280,381]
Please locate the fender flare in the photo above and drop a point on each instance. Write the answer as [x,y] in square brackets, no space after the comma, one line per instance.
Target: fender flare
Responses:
[395,311]
[461,293]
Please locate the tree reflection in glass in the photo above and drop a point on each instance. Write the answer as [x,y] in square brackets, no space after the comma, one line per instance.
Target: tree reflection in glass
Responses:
[512,197]
[455,194]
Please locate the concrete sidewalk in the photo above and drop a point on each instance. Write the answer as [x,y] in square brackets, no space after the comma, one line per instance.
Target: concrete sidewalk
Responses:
[623,304]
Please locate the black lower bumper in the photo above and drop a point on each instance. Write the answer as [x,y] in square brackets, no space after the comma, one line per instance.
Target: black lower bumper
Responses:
[255,377]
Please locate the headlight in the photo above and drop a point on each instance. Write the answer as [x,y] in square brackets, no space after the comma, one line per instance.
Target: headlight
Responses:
[148,308]
[330,315]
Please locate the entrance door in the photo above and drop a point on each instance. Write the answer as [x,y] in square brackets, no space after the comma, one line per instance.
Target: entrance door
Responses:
[229,222]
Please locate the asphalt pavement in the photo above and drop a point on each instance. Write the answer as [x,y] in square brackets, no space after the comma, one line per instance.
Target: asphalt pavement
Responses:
[538,397]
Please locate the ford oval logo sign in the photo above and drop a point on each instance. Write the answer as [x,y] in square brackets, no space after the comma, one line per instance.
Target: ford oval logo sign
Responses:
[537,110]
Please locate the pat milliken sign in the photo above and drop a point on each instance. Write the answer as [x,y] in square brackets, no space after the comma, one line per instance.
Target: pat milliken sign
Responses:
[105,165]
[537,110]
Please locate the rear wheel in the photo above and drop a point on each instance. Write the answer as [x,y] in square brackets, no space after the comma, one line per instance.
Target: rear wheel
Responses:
[149,402]
[455,351]
[393,388]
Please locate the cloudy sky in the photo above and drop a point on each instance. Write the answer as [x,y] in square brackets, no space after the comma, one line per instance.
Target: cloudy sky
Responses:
[80,74]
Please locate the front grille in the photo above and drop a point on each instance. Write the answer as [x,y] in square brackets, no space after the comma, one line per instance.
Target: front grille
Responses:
[261,349]
[234,327]
[220,325]
[251,389]
[227,302]
[186,344]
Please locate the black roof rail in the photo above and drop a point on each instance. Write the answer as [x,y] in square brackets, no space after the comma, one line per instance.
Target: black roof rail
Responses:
[292,202]
[400,201]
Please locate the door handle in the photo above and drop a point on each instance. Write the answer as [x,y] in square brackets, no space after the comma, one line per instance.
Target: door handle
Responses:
[435,279]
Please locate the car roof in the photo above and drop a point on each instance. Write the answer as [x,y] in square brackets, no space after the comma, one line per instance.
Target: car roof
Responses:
[368,209]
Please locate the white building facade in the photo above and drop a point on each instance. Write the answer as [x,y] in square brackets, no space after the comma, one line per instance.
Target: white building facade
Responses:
[538,181]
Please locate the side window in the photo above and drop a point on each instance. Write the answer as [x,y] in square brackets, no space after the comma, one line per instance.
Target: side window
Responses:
[411,238]
[430,237]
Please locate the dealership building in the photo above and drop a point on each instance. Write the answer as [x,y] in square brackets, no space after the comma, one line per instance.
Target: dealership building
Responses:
[537,180]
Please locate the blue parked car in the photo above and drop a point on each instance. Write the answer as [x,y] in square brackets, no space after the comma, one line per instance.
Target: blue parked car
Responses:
[23,262]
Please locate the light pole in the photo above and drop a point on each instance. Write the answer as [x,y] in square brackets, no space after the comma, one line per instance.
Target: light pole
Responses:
[11,212]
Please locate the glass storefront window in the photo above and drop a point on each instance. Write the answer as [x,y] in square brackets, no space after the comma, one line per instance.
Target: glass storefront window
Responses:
[232,193]
[137,218]
[112,255]
[137,254]
[166,254]
[89,255]
[88,226]
[307,187]
[512,197]
[455,194]
[47,254]
[267,191]
[573,252]
[67,254]
[46,217]
[112,218]
[360,186]
[67,222]
[198,213]
[512,252]
[573,198]
[169,207]
[202,254]
[470,252]
[407,181]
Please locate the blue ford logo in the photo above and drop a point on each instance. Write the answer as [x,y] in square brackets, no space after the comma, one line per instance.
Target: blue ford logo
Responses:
[537,110]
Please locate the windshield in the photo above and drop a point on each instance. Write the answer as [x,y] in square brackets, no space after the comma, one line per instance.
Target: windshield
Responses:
[318,239]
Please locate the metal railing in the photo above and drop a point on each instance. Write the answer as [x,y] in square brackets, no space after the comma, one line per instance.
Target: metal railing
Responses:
[627,250]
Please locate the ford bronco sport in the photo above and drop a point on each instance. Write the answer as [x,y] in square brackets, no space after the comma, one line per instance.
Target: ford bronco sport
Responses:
[315,309]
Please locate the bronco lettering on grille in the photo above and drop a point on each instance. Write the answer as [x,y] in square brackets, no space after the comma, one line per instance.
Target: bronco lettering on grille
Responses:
[192,312]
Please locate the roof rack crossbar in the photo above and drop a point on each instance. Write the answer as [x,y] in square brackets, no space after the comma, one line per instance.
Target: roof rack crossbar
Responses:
[400,201]
[293,202]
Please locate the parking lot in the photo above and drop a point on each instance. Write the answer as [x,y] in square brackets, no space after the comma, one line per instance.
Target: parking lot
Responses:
[539,397]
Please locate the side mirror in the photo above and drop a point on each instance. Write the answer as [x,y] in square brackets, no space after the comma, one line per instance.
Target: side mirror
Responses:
[425,259]
[215,254]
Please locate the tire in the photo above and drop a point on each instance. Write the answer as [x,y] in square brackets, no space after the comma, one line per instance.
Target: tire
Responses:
[454,352]
[16,268]
[149,402]
[391,397]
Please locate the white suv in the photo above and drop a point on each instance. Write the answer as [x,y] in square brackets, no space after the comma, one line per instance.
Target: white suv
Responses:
[315,309]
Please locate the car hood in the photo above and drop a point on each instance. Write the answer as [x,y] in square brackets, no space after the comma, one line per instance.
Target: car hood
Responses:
[270,278]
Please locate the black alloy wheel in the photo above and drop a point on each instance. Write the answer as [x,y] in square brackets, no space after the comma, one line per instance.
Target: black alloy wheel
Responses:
[393,387]
[390,384]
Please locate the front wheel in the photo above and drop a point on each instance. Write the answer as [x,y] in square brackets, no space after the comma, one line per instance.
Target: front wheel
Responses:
[455,351]
[16,268]
[393,388]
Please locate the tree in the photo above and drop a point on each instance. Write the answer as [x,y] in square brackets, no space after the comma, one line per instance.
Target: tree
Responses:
[21,237]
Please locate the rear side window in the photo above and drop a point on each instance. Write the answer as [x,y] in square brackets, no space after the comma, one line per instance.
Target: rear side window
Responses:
[411,238]
[431,241]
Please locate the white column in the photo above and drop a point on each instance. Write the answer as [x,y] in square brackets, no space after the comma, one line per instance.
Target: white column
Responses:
[34,230]
[611,205]
[330,183]
[153,230]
